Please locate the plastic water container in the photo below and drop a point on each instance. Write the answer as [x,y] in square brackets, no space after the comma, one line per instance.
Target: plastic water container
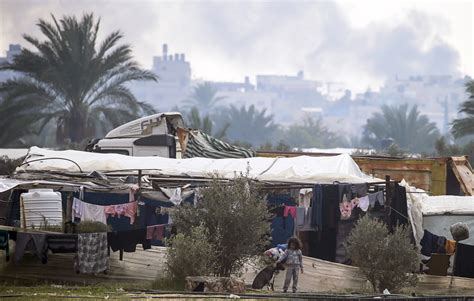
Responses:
[40,206]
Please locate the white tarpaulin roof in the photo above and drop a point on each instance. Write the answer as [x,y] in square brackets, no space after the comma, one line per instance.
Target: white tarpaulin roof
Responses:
[448,204]
[301,169]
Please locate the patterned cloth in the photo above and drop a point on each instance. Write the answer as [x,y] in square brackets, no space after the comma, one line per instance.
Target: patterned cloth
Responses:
[127,209]
[91,256]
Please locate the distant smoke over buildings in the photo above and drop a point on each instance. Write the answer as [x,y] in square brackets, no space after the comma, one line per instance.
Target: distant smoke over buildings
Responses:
[226,41]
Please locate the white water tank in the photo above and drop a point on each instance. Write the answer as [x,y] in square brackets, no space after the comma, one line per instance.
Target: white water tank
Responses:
[40,205]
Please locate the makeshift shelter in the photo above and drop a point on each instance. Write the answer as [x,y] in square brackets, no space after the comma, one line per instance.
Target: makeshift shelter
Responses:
[440,212]
[436,176]
[303,169]
[104,180]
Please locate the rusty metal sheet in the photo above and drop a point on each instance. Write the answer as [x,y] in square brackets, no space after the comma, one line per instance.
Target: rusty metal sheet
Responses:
[422,173]
[463,172]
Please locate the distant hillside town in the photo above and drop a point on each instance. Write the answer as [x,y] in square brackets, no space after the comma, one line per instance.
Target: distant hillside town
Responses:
[289,98]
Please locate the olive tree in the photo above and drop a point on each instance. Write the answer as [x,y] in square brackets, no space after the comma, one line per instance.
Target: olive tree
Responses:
[233,217]
[388,260]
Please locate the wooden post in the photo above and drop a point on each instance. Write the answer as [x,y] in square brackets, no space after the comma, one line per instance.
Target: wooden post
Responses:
[22,204]
[388,201]
[140,178]
[138,194]
[69,207]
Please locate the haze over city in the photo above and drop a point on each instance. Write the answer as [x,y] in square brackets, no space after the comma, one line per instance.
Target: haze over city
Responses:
[360,43]
[282,72]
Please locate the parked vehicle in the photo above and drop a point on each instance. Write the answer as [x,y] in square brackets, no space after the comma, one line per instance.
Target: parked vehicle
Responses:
[154,135]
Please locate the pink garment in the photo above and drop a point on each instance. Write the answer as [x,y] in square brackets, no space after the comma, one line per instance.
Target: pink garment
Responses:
[155,232]
[128,210]
[291,210]
[354,203]
[346,210]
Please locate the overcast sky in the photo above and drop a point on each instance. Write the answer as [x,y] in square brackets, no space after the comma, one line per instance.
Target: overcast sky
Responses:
[358,42]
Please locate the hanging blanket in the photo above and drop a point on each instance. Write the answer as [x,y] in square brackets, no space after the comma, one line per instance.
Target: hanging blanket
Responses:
[91,256]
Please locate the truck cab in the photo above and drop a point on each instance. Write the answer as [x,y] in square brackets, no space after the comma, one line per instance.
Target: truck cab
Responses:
[154,135]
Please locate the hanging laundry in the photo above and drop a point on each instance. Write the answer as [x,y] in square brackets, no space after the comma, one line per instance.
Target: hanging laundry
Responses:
[464,263]
[399,211]
[131,194]
[364,203]
[155,232]
[377,197]
[317,209]
[62,243]
[307,218]
[300,217]
[91,256]
[345,191]
[175,196]
[359,190]
[77,208]
[34,243]
[4,239]
[289,210]
[354,203]
[431,243]
[128,210]
[128,240]
[346,210]
[305,197]
[88,212]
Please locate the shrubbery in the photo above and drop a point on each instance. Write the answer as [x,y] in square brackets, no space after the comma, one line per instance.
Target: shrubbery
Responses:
[229,226]
[7,165]
[190,254]
[388,260]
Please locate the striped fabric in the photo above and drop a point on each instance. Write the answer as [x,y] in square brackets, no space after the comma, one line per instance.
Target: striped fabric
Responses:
[202,145]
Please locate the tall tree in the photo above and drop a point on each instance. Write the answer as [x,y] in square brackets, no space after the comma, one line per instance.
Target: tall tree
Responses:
[465,126]
[194,120]
[71,80]
[406,127]
[204,97]
[312,133]
[249,125]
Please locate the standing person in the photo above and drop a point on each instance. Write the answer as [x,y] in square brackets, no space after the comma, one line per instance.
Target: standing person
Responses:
[293,259]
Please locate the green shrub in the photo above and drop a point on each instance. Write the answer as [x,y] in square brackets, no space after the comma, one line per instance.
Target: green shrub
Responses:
[236,222]
[91,227]
[189,254]
[388,260]
[7,165]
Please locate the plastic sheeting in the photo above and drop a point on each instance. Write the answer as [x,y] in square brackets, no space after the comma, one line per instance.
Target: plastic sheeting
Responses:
[415,200]
[440,224]
[440,212]
[448,204]
[302,169]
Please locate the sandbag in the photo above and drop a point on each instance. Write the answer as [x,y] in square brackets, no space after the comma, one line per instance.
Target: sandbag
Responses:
[459,231]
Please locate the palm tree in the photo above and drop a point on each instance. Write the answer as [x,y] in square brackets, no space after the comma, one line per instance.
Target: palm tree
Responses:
[405,127]
[312,133]
[465,126]
[204,97]
[205,124]
[72,81]
[250,125]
